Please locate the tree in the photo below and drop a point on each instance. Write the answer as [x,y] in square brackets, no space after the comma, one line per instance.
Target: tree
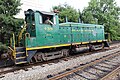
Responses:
[104,12]
[8,24]
[67,11]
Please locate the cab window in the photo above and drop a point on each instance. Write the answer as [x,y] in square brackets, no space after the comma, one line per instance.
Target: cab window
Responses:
[48,19]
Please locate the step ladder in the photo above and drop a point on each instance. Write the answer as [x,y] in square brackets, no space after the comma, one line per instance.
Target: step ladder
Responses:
[21,57]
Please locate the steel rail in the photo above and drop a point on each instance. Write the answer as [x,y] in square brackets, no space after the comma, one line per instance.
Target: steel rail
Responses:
[112,73]
[59,76]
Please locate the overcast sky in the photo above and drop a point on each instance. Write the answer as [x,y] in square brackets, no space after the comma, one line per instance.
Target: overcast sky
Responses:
[46,5]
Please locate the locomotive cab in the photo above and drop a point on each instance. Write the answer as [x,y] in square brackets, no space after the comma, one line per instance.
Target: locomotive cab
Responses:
[38,29]
[35,19]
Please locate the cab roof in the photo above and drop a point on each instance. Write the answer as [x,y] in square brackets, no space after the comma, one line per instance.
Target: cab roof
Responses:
[41,12]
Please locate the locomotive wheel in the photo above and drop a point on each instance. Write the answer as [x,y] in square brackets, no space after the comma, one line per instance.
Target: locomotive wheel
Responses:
[38,57]
[103,46]
[65,52]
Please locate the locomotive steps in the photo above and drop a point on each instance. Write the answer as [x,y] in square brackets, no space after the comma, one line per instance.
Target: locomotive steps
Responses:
[20,55]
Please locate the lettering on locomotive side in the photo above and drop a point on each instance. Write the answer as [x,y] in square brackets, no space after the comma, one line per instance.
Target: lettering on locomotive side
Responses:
[48,35]
[48,28]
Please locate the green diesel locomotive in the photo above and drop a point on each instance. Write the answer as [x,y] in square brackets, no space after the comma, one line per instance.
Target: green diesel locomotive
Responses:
[42,38]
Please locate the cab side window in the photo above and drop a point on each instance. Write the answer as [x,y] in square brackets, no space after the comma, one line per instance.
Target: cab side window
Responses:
[48,19]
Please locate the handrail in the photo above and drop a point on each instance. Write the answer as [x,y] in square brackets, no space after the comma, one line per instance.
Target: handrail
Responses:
[12,44]
[27,34]
[10,41]
[20,35]
[11,49]
[14,40]
[13,52]
[25,38]
[108,37]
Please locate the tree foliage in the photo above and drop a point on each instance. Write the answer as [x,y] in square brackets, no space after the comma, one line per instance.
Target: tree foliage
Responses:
[67,11]
[3,48]
[8,23]
[104,12]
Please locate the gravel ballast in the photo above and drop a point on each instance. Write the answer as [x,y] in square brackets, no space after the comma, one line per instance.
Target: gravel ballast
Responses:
[39,72]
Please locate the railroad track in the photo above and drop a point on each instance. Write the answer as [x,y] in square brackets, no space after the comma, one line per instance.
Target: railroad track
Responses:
[114,75]
[99,69]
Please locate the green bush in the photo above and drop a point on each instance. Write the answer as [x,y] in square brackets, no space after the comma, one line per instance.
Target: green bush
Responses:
[3,48]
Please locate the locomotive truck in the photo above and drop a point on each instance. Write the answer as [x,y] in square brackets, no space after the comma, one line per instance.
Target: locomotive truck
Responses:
[39,42]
